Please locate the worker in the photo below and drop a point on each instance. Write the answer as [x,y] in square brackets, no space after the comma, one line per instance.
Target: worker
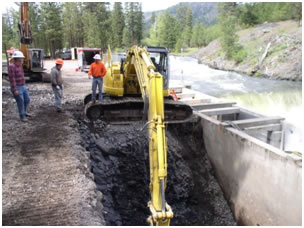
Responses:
[35,60]
[98,71]
[57,84]
[17,82]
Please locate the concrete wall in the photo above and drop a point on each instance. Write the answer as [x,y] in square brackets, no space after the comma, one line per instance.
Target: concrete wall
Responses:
[262,183]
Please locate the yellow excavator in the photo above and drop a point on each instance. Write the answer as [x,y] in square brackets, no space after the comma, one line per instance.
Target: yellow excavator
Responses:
[135,89]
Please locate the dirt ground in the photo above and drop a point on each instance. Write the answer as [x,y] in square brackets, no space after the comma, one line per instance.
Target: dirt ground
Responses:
[61,169]
[46,178]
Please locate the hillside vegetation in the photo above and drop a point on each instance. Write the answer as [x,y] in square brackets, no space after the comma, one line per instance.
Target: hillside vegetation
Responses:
[283,59]
[203,12]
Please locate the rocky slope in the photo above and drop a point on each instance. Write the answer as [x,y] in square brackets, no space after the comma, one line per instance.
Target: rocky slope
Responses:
[283,60]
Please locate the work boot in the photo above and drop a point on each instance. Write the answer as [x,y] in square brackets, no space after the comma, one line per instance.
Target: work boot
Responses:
[28,115]
[59,110]
[24,120]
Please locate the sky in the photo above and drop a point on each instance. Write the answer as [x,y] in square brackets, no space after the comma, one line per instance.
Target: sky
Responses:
[146,5]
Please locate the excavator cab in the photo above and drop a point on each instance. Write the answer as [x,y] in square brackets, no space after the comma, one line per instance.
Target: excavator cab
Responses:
[160,59]
[36,59]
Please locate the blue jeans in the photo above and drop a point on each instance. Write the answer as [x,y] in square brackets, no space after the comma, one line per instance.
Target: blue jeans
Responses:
[23,99]
[58,96]
[97,82]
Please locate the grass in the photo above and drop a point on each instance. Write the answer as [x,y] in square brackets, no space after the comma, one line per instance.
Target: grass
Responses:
[187,52]
[257,74]
[277,49]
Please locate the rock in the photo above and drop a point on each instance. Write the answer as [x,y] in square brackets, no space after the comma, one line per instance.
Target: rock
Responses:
[104,147]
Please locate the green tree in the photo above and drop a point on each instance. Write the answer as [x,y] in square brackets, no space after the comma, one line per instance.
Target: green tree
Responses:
[72,25]
[131,17]
[118,24]
[227,20]
[189,18]
[166,32]
[246,16]
[9,29]
[97,26]
[181,15]
[198,36]
[153,18]
[52,13]
[91,29]
[139,18]
[179,44]
[126,38]
[134,21]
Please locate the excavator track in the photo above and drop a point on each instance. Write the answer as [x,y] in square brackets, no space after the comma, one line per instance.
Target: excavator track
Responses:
[127,109]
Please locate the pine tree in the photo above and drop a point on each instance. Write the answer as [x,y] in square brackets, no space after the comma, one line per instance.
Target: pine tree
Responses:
[227,19]
[139,18]
[70,24]
[9,30]
[52,12]
[130,12]
[126,38]
[153,18]
[181,15]
[118,24]
[166,32]
[198,36]
[97,28]
[189,18]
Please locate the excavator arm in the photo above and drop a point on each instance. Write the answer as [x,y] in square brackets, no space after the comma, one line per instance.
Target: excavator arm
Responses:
[25,33]
[151,85]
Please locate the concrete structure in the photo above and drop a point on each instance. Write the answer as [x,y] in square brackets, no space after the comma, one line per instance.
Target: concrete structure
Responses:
[262,182]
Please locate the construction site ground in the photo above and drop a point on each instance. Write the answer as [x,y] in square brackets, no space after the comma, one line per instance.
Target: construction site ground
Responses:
[62,169]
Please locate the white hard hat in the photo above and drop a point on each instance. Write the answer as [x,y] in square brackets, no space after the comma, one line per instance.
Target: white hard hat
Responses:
[18,54]
[97,56]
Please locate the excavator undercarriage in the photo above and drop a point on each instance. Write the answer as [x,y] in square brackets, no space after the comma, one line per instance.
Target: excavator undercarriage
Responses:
[126,109]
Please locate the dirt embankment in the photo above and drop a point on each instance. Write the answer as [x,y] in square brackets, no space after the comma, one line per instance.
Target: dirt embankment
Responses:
[283,59]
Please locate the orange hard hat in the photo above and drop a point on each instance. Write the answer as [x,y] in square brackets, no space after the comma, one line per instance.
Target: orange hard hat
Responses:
[59,61]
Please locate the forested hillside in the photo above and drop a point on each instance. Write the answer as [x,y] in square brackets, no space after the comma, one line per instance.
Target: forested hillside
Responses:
[202,12]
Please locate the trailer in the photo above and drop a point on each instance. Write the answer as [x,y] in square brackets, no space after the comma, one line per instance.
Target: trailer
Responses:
[85,57]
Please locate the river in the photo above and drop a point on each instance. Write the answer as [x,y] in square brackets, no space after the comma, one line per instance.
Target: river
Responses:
[266,96]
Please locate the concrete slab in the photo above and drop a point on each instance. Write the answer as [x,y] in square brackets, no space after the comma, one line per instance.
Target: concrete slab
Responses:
[221,111]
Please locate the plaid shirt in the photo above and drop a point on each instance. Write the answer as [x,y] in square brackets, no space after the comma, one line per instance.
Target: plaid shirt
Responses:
[16,75]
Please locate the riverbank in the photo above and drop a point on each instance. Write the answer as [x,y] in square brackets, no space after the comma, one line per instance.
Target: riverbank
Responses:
[280,43]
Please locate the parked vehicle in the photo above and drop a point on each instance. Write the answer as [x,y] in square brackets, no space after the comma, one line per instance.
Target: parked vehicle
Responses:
[66,55]
[85,57]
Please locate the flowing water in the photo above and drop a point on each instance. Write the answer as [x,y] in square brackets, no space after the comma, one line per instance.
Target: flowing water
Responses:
[265,96]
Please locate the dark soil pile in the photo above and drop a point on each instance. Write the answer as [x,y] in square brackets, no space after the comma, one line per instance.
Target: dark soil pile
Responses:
[119,159]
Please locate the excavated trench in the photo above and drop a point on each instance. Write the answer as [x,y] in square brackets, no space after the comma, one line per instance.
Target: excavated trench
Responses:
[119,162]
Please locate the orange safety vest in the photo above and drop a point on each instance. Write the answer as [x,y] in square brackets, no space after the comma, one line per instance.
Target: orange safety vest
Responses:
[97,70]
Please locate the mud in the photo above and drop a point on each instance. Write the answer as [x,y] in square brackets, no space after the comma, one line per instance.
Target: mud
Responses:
[119,159]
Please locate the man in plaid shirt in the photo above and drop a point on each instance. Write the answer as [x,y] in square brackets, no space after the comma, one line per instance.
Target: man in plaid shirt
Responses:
[17,82]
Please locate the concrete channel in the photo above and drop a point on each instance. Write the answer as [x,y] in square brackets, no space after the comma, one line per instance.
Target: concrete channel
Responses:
[262,183]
